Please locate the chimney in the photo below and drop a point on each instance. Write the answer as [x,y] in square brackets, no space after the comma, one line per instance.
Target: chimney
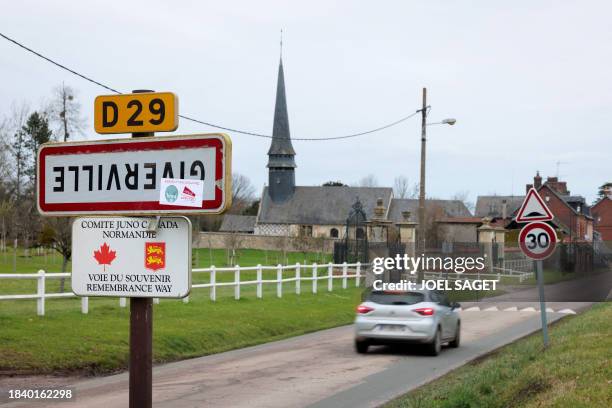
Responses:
[504,209]
[537,181]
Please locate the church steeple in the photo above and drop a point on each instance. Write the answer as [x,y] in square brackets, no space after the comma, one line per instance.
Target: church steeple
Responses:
[281,162]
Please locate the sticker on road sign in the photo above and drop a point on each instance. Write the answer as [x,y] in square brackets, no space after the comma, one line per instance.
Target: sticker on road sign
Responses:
[123,176]
[122,256]
[537,240]
[186,193]
[137,112]
[533,208]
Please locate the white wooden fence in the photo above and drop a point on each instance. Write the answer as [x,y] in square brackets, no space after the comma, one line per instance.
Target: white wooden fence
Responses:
[284,275]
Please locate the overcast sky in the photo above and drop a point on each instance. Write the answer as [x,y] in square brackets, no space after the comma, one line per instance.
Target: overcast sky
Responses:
[529,82]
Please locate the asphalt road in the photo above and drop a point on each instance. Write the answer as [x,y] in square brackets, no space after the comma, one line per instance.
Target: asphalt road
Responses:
[319,369]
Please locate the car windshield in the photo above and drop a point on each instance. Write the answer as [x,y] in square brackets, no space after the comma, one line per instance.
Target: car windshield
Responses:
[395,298]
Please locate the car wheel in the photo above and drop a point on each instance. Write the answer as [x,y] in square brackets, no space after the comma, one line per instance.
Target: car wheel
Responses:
[457,340]
[436,345]
[361,346]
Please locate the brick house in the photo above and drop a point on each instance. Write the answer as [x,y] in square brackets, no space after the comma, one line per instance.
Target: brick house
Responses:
[570,211]
[602,215]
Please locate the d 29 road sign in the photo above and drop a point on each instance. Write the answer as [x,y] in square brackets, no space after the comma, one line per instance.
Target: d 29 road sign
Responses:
[537,240]
[124,176]
[124,256]
[136,113]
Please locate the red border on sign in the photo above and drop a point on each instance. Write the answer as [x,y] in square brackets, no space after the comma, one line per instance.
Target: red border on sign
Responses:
[533,193]
[551,233]
[129,145]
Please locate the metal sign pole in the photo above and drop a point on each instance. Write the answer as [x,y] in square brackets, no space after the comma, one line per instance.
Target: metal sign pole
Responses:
[141,342]
[540,277]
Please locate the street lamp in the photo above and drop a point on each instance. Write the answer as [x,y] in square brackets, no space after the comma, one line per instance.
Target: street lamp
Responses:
[450,121]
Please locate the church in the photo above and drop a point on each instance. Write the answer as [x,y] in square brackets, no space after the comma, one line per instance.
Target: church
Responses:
[321,211]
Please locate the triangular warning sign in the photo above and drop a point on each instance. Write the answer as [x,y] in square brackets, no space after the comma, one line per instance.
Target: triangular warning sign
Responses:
[533,208]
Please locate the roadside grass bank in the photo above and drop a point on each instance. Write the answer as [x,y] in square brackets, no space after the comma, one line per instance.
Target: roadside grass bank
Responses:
[575,371]
[68,342]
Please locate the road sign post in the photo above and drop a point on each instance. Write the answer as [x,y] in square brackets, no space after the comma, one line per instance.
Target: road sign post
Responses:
[141,340]
[543,317]
[135,256]
[537,241]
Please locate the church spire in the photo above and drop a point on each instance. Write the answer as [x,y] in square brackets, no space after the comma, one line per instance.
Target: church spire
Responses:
[281,141]
[281,161]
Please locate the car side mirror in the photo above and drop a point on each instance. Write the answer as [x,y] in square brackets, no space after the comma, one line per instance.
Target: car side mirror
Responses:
[455,305]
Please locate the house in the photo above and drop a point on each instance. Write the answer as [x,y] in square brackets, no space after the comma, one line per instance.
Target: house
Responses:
[495,206]
[570,211]
[572,214]
[602,217]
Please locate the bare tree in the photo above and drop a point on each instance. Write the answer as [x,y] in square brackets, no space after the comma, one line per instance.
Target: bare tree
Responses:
[16,142]
[463,196]
[243,193]
[403,189]
[232,242]
[64,111]
[57,232]
[6,212]
[435,232]
[368,181]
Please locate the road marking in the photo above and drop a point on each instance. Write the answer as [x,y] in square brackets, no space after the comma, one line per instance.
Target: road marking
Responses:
[473,309]
[511,309]
[567,311]
[528,309]
[491,309]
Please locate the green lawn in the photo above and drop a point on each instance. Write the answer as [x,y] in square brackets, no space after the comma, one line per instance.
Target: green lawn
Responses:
[64,340]
[576,371]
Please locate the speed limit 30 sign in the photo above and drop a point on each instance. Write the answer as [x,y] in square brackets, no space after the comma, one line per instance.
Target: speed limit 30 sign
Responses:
[537,240]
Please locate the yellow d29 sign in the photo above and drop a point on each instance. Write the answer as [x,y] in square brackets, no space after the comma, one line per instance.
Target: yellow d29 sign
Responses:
[137,112]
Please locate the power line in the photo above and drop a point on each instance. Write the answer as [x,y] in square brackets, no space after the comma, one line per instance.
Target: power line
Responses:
[244,132]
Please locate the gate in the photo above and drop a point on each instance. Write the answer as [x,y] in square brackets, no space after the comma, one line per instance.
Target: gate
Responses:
[354,247]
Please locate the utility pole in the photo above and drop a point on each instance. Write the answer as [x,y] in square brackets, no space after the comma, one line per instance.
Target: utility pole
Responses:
[421,230]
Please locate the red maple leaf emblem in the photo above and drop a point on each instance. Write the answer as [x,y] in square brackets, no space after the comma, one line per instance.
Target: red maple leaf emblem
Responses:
[105,256]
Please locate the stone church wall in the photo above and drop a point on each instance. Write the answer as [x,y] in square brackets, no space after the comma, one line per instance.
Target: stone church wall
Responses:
[224,240]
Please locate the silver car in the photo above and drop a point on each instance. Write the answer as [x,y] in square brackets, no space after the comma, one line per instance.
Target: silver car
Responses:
[420,316]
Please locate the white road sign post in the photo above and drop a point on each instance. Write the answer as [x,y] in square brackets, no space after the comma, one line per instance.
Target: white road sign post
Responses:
[537,240]
[131,257]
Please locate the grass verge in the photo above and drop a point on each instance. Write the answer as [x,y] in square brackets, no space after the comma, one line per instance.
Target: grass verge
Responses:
[66,341]
[576,371]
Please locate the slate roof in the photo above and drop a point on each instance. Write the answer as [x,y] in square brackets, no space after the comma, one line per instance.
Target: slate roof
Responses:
[320,205]
[491,206]
[452,208]
[238,223]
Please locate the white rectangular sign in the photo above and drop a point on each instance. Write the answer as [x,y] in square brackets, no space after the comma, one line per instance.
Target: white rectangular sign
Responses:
[125,257]
[123,176]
